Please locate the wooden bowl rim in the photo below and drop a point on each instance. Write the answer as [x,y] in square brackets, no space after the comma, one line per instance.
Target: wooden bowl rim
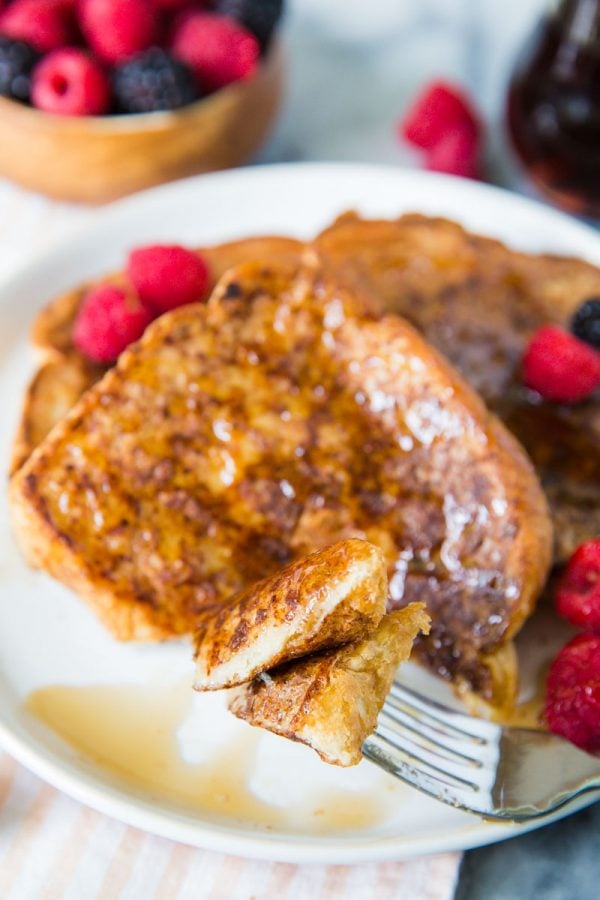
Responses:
[139,122]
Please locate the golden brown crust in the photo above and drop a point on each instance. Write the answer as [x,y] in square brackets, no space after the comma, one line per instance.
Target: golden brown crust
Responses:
[47,401]
[54,390]
[331,700]
[479,302]
[240,435]
[330,597]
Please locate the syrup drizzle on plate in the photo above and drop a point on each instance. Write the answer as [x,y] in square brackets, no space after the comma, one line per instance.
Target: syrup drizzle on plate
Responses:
[130,731]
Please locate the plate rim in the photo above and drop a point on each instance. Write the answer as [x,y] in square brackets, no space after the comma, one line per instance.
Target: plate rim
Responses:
[234,840]
[229,838]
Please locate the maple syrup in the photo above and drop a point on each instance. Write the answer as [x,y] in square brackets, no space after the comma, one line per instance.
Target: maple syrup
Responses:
[554,106]
[130,732]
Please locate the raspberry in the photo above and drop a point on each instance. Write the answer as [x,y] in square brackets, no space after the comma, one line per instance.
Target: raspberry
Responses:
[166,277]
[17,60]
[118,29]
[70,83]
[258,16]
[153,81]
[578,591]
[560,367]
[107,322]
[218,49]
[572,707]
[441,109]
[585,323]
[455,154]
[44,24]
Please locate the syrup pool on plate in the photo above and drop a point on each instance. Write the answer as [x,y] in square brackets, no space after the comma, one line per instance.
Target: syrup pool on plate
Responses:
[131,732]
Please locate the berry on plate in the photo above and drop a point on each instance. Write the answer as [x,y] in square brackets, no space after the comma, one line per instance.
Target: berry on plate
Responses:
[578,590]
[572,707]
[560,367]
[152,81]
[258,16]
[17,60]
[439,110]
[455,154]
[69,82]
[44,24]
[118,29]
[108,320]
[167,276]
[585,323]
[217,49]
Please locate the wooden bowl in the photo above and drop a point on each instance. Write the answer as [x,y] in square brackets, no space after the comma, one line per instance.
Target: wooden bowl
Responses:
[95,159]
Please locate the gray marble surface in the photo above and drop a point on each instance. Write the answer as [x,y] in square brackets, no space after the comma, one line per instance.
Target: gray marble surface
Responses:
[559,862]
[353,67]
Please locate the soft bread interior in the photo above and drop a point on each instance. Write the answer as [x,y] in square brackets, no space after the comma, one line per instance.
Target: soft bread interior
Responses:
[331,700]
[328,598]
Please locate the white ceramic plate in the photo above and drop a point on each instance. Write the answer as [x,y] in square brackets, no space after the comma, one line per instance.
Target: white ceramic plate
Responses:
[48,638]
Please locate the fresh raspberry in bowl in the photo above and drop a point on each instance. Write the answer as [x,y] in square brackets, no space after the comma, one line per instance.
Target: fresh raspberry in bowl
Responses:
[118,29]
[218,49]
[572,708]
[43,24]
[69,82]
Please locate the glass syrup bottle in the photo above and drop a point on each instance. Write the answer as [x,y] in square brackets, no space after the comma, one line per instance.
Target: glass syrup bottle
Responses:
[554,106]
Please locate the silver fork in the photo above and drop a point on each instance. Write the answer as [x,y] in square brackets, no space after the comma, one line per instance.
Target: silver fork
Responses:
[478,766]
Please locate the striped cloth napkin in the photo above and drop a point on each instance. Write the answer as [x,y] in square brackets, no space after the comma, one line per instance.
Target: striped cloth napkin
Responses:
[53,848]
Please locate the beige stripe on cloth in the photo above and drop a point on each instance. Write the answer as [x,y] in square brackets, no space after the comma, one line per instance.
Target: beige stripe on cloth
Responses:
[88,856]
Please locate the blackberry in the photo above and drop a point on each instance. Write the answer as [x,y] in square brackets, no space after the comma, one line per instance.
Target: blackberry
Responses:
[258,16]
[17,60]
[585,323]
[153,81]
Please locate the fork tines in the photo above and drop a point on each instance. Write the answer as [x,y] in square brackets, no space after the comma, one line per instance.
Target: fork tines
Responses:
[448,755]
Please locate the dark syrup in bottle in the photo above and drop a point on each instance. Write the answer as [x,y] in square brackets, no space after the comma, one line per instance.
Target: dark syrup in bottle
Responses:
[554,107]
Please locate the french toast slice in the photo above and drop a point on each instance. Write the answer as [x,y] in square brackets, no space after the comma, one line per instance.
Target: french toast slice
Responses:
[479,302]
[278,418]
[330,597]
[54,390]
[46,401]
[331,700]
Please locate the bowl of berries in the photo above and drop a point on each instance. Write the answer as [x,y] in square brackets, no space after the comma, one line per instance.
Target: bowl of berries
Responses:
[101,98]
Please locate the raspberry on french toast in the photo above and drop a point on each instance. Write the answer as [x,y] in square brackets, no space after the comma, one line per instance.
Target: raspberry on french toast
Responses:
[242,434]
